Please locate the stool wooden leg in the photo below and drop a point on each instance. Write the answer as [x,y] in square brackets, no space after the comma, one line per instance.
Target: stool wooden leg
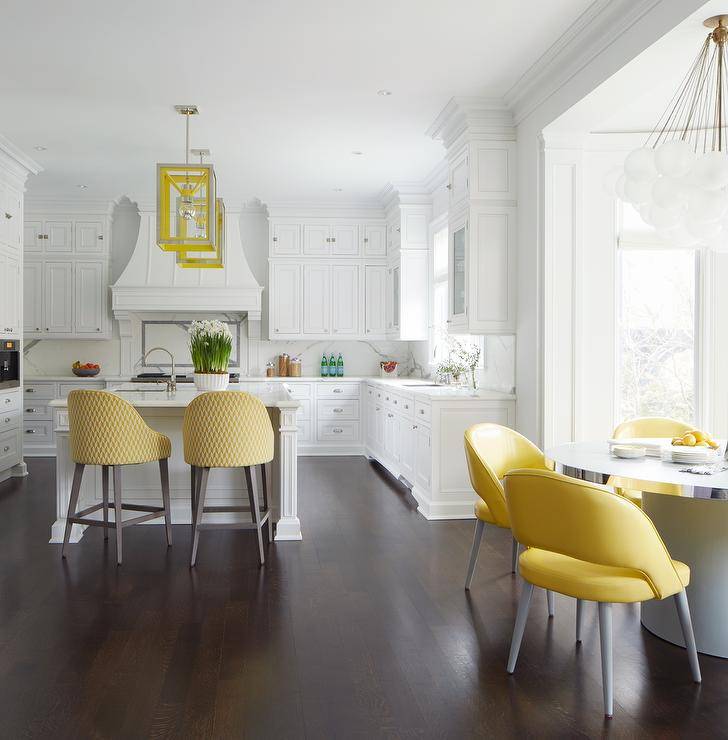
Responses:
[72,504]
[118,517]
[164,475]
[105,495]
[255,510]
[266,505]
[201,479]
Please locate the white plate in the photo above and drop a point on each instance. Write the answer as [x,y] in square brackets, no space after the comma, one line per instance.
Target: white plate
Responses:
[628,452]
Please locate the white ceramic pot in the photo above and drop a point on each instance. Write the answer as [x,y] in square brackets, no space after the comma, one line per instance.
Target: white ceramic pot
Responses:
[211,381]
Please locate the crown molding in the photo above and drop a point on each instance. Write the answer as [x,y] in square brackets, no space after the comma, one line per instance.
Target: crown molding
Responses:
[307,209]
[437,177]
[472,118]
[594,31]
[47,205]
[17,156]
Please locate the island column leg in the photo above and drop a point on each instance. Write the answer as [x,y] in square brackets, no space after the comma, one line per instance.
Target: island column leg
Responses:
[288,526]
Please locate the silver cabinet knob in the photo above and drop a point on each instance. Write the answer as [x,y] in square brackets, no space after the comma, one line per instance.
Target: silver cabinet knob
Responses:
[7,420]
[30,431]
[29,411]
[6,449]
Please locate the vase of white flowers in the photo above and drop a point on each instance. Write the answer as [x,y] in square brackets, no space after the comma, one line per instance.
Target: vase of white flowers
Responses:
[210,346]
[462,360]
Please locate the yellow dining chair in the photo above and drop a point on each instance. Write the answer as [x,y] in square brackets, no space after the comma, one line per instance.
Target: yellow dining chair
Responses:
[228,429]
[648,426]
[593,545]
[108,431]
[491,451]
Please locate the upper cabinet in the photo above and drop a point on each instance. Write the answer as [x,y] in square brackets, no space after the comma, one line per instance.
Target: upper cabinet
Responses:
[10,327]
[66,276]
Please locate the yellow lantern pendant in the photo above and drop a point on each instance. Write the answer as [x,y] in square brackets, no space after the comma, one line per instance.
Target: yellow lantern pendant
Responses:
[201,259]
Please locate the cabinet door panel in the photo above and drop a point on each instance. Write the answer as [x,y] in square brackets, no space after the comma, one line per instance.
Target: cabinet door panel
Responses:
[60,236]
[4,307]
[89,298]
[316,306]
[32,233]
[345,299]
[375,299]
[423,457]
[375,241]
[89,236]
[286,239]
[316,239]
[345,240]
[458,180]
[286,298]
[12,296]
[11,217]
[32,297]
[58,299]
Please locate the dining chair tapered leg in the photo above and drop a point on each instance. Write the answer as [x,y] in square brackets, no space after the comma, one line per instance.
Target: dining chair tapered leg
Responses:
[579,618]
[683,613]
[605,641]
[118,516]
[255,509]
[520,626]
[164,476]
[477,537]
[72,505]
[266,506]
[550,602]
[105,497]
[193,495]
[514,555]
[201,476]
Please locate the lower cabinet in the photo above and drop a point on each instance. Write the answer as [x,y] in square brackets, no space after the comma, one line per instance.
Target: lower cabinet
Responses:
[11,453]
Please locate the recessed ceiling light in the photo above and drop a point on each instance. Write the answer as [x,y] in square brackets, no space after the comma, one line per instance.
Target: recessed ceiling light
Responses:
[384,93]
[83,187]
[338,190]
[357,153]
[39,148]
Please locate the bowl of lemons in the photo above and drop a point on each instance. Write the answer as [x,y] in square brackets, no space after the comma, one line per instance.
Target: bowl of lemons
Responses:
[695,438]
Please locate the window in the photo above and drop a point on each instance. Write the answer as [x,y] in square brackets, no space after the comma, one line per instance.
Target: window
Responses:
[439,332]
[657,301]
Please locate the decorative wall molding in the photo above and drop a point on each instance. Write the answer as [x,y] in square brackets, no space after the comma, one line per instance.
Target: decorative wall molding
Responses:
[297,209]
[66,206]
[17,161]
[472,118]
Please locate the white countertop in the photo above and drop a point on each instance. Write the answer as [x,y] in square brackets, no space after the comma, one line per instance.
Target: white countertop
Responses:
[151,395]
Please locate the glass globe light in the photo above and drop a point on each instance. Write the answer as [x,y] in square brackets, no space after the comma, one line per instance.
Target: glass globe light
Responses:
[674,158]
[711,171]
[640,164]
[706,206]
[704,231]
[669,192]
[662,218]
[638,191]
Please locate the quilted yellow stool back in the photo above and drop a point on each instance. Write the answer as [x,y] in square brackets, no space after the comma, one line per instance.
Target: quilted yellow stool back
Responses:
[227,429]
[107,430]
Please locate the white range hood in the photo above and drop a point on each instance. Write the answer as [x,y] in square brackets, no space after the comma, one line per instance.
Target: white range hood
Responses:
[153,283]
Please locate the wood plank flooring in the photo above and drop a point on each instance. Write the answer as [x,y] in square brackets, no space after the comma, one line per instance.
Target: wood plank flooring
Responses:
[363,630]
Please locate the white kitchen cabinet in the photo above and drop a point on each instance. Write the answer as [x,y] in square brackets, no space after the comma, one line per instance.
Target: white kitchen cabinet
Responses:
[90,297]
[458,180]
[285,298]
[345,300]
[374,239]
[316,299]
[58,236]
[10,218]
[407,431]
[345,240]
[317,239]
[32,297]
[375,301]
[58,297]
[33,236]
[285,239]
[10,298]
[423,457]
[407,299]
[89,237]
[457,276]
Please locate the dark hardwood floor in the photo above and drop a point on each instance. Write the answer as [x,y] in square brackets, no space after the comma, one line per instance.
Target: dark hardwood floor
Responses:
[363,630]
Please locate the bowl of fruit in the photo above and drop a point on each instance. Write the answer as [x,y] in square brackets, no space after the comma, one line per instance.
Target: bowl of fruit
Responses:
[388,369]
[87,370]
[695,438]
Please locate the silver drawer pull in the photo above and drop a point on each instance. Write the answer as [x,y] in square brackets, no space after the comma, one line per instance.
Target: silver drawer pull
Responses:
[390,415]
[337,430]
[338,390]
[30,431]
[7,420]
[338,411]
[7,400]
[30,390]
[6,449]
[406,405]
[395,401]
[29,411]
[422,411]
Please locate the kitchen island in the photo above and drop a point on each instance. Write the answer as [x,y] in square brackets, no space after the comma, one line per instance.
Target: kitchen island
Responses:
[163,411]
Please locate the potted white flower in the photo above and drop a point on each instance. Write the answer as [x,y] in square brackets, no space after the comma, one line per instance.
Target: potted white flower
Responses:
[210,346]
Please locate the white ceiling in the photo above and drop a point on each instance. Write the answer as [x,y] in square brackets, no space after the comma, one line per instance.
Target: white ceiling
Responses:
[634,98]
[286,89]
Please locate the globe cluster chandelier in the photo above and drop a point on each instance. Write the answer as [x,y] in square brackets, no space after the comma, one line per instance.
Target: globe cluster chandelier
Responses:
[678,180]
[188,209]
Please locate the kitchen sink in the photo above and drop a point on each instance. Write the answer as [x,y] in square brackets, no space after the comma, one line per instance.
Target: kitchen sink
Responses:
[421,385]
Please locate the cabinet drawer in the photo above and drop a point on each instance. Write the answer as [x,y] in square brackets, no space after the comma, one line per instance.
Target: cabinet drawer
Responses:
[299,390]
[9,420]
[338,431]
[9,449]
[305,435]
[423,411]
[304,410]
[337,409]
[406,406]
[38,432]
[9,402]
[32,411]
[332,389]
[65,388]
[45,391]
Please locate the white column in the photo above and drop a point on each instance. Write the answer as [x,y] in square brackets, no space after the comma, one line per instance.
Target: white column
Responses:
[288,526]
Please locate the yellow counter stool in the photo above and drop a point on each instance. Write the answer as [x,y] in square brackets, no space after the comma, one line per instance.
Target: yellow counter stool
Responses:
[228,429]
[648,426]
[491,451]
[105,430]
[594,545]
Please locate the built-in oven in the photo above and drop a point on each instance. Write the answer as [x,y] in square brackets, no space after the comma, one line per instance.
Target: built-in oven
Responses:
[9,363]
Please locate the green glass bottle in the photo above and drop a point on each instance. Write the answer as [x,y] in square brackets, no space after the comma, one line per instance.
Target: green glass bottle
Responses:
[340,366]
[324,367]
[332,366]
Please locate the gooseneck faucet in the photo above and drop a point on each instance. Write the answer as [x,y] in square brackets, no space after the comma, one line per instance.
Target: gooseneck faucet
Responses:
[172,384]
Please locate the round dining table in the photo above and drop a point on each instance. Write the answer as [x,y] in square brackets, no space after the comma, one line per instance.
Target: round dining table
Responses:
[693,525]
